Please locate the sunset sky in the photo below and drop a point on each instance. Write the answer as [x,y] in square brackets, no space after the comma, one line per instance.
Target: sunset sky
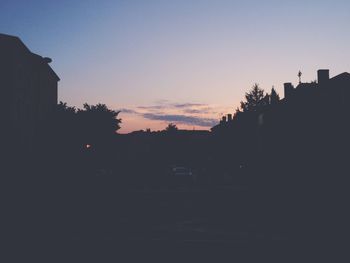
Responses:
[184,61]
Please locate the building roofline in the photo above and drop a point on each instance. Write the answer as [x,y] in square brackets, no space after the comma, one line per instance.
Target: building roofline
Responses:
[344,74]
[20,42]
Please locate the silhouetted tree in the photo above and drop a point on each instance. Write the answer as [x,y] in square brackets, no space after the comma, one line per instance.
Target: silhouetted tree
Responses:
[274,97]
[61,138]
[266,99]
[97,122]
[237,112]
[62,108]
[171,127]
[254,99]
[65,124]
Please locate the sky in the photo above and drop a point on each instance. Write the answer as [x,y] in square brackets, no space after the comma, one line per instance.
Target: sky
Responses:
[186,61]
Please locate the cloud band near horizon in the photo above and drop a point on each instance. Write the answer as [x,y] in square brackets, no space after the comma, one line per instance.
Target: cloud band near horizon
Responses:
[189,114]
[184,119]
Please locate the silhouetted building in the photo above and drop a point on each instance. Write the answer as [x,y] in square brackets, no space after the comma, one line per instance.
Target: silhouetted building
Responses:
[224,119]
[338,86]
[28,89]
[288,89]
[318,96]
[227,119]
[322,76]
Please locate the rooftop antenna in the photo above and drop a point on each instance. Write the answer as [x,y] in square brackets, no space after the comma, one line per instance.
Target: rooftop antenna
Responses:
[299,75]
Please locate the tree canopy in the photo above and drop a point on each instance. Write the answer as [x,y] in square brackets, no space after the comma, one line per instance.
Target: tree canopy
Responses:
[171,127]
[98,118]
[90,125]
[255,99]
[274,97]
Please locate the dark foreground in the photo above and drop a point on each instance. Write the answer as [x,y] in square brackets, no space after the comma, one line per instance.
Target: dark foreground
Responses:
[91,221]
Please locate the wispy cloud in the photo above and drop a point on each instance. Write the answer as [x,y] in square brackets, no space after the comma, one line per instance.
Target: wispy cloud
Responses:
[186,113]
[193,111]
[153,107]
[187,105]
[168,105]
[165,106]
[129,111]
[205,109]
[184,119]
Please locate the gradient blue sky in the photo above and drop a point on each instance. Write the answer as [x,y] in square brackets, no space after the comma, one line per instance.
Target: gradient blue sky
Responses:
[182,61]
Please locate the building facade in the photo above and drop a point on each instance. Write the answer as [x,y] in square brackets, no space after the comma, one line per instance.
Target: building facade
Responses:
[28,87]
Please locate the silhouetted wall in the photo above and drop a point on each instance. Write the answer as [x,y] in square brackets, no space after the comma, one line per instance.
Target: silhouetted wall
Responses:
[288,89]
[300,140]
[28,90]
[322,76]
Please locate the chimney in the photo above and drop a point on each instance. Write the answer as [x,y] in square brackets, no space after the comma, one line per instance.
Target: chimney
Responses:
[223,119]
[229,117]
[322,76]
[288,90]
